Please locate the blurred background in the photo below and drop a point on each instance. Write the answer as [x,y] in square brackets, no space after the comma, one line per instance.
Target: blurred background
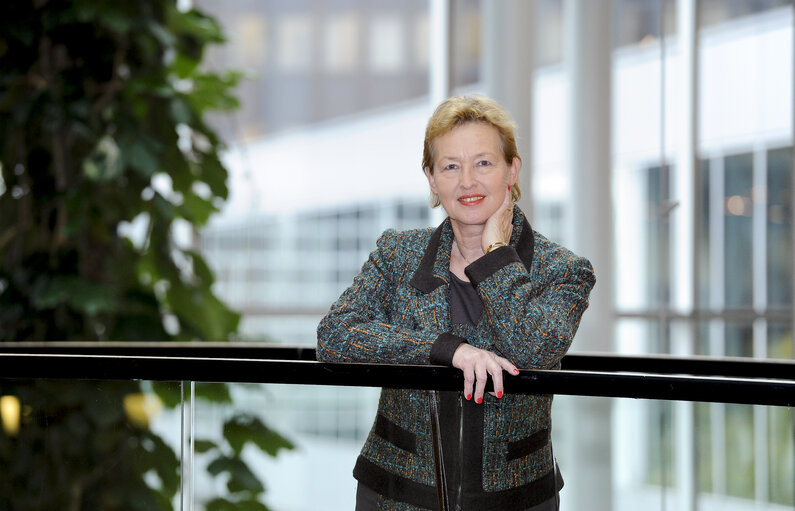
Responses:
[657,140]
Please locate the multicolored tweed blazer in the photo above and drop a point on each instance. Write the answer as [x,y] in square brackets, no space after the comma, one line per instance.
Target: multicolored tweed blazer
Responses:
[534,293]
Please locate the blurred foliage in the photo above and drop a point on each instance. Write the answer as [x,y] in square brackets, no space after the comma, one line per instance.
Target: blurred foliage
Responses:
[108,168]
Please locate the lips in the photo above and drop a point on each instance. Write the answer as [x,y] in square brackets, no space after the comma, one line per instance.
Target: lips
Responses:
[471,200]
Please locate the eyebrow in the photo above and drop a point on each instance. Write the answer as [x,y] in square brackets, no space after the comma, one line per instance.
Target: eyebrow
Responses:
[479,155]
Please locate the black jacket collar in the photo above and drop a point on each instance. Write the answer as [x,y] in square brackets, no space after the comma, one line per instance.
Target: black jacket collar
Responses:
[434,269]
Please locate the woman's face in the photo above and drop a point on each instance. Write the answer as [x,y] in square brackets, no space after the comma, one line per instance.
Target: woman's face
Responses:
[470,174]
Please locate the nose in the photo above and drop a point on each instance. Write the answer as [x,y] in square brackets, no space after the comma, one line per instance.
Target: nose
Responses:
[467,176]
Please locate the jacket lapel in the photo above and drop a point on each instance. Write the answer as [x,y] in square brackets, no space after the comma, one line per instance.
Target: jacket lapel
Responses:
[432,277]
[434,269]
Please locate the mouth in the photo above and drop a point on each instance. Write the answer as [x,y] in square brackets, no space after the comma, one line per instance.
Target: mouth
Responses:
[471,200]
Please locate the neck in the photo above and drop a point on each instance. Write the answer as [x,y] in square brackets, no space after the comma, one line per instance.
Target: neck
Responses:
[467,237]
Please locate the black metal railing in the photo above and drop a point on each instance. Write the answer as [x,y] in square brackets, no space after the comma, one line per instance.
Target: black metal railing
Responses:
[724,380]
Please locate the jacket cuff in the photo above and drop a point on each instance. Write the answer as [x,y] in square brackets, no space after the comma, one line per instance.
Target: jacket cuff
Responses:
[444,347]
[486,266]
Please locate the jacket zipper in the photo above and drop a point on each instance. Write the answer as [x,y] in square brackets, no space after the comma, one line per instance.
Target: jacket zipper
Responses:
[459,490]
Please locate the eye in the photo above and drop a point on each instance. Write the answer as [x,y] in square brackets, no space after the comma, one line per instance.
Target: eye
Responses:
[484,163]
[450,166]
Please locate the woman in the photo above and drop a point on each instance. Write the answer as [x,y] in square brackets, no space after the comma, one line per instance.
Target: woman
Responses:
[483,293]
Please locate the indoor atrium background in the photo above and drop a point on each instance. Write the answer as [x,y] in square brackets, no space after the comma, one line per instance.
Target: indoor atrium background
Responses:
[657,139]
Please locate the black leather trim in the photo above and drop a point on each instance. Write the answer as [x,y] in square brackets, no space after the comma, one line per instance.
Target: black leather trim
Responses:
[444,347]
[394,487]
[529,445]
[490,263]
[423,278]
[394,434]
[526,245]
[515,499]
[404,490]
[426,281]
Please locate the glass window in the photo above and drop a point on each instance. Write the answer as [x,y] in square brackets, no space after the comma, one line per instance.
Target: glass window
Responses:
[781,456]
[779,340]
[704,230]
[549,32]
[466,32]
[739,448]
[641,21]
[295,33]
[657,235]
[739,340]
[387,44]
[738,251]
[341,42]
[713,12]
[779,226]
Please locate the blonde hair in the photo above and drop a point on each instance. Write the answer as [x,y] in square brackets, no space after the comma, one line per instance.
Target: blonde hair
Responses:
[458,110]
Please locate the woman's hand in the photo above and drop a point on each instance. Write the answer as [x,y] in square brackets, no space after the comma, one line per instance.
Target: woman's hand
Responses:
[476,365]
[500,224]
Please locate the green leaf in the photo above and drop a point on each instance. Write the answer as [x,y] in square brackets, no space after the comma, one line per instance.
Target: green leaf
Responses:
[163,460]
[87,297]
[215,175]
[184,66]
[220,504]
[200,310]
[203,446]
[213,392]
[245,428]
[168,392]
[141,153]
[197,24]
[200,268]
[180,111]
[214,91]
[196,209]
[241,478]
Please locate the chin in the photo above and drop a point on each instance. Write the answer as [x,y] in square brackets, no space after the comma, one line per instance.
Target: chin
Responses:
[469,217]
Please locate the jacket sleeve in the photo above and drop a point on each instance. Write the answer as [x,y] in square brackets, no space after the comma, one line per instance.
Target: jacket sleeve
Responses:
[533,319]
[359,326]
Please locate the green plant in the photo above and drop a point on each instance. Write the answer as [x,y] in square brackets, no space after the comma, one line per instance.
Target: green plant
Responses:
[108,168]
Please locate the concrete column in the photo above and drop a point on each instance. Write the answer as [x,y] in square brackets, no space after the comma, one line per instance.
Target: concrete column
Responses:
[686,240]
[792,182]
[507,62]
[588,43]
[441,65]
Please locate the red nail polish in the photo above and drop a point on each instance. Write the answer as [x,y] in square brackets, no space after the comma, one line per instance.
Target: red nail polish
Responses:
[516,371]
[509,188]
[499,394]
[469,396]
[480,400]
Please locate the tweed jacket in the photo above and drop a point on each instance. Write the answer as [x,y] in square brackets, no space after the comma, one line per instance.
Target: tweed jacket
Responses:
[533,292]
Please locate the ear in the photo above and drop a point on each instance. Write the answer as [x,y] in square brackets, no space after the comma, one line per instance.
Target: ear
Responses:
[431,180]
[513,171]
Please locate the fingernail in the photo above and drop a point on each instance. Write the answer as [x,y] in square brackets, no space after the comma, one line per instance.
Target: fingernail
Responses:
[515,371]
[480,400]
[499,394]
[469,396]
[509,187]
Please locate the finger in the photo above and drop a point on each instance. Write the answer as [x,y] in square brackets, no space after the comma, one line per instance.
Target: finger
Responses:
[469,379]
[508,366]
[481,376]
[496,377]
